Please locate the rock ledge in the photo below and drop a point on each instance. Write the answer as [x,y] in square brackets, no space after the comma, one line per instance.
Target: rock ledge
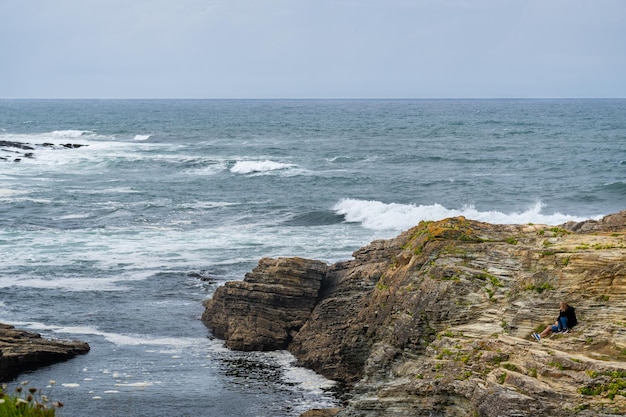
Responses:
[21,351]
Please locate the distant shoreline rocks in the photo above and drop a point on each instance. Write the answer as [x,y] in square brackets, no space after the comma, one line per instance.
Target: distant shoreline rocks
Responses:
[12,151]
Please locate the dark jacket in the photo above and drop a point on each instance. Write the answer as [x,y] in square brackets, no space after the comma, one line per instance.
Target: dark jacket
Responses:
[570,313]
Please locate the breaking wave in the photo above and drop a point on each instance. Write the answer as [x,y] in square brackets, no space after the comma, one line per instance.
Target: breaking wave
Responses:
[377,215]
[249,167]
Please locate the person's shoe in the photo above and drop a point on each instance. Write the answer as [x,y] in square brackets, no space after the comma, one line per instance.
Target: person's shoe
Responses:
[537,337]
[564,330]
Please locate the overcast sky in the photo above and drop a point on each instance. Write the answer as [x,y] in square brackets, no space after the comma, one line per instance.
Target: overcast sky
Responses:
[312,48]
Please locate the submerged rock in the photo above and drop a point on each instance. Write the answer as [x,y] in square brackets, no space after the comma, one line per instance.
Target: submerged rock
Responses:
[21,351]
[438,320]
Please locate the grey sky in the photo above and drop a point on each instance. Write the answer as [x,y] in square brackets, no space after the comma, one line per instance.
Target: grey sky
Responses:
[312,48]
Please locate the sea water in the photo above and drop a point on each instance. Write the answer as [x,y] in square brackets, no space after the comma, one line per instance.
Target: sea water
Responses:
[117,242]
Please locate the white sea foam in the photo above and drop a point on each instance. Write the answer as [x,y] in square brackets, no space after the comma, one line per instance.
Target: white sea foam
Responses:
[69,134]
[46,137]
[5,192]
[176,344]
[205,205]
[66,284]
[96,149]
[212,168]
[248,167]
[74,216]
[305,378]
[136,384]
[376,215]
[142,137]
[115,190]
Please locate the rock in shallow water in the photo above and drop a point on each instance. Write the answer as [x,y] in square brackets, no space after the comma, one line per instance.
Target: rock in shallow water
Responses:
[274,300]
[22,351]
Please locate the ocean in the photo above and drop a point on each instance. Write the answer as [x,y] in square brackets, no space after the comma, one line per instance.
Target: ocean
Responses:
[126,214]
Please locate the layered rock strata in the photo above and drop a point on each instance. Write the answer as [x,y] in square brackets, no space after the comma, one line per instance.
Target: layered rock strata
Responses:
[21,351]
[272,304]
[437,321]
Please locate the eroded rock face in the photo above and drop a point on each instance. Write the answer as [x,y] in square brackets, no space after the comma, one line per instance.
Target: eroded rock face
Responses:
[22,351]
[269,307]
[438,320]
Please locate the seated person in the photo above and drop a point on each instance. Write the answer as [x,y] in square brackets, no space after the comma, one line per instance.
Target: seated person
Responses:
[565,321]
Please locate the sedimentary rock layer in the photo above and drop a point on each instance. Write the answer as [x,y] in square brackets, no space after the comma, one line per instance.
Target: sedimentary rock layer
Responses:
[21,351]
[438,320]
[276,298]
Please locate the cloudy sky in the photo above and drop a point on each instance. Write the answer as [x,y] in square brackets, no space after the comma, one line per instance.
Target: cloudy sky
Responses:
[312,48]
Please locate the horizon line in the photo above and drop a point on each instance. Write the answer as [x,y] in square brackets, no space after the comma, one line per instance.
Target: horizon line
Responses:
[310,98]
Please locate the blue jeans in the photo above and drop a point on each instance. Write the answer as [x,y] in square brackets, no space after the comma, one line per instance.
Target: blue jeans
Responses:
[562,325]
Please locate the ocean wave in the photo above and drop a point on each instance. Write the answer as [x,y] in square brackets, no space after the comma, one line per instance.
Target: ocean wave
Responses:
[249,167]
[69,134]
[142,137]
[46,137]
[213,168]
[618,186]
[377,215]
[344,159]
[315,218]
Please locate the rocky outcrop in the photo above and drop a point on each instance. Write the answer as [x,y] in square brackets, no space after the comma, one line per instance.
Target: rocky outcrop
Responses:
[276,299]
[21,351]
[438,320]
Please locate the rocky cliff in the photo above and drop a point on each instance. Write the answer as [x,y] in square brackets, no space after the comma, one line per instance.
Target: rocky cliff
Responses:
[437,321]
[21,351]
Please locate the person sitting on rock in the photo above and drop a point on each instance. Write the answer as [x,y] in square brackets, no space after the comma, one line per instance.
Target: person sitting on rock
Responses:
[565,321]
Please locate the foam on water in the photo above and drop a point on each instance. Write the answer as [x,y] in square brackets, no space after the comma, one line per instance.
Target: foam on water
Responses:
[248,167]
[95,149]
[142,137]
[381,216]
[47,137]
[174,344]
[76,284]
[5,193]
